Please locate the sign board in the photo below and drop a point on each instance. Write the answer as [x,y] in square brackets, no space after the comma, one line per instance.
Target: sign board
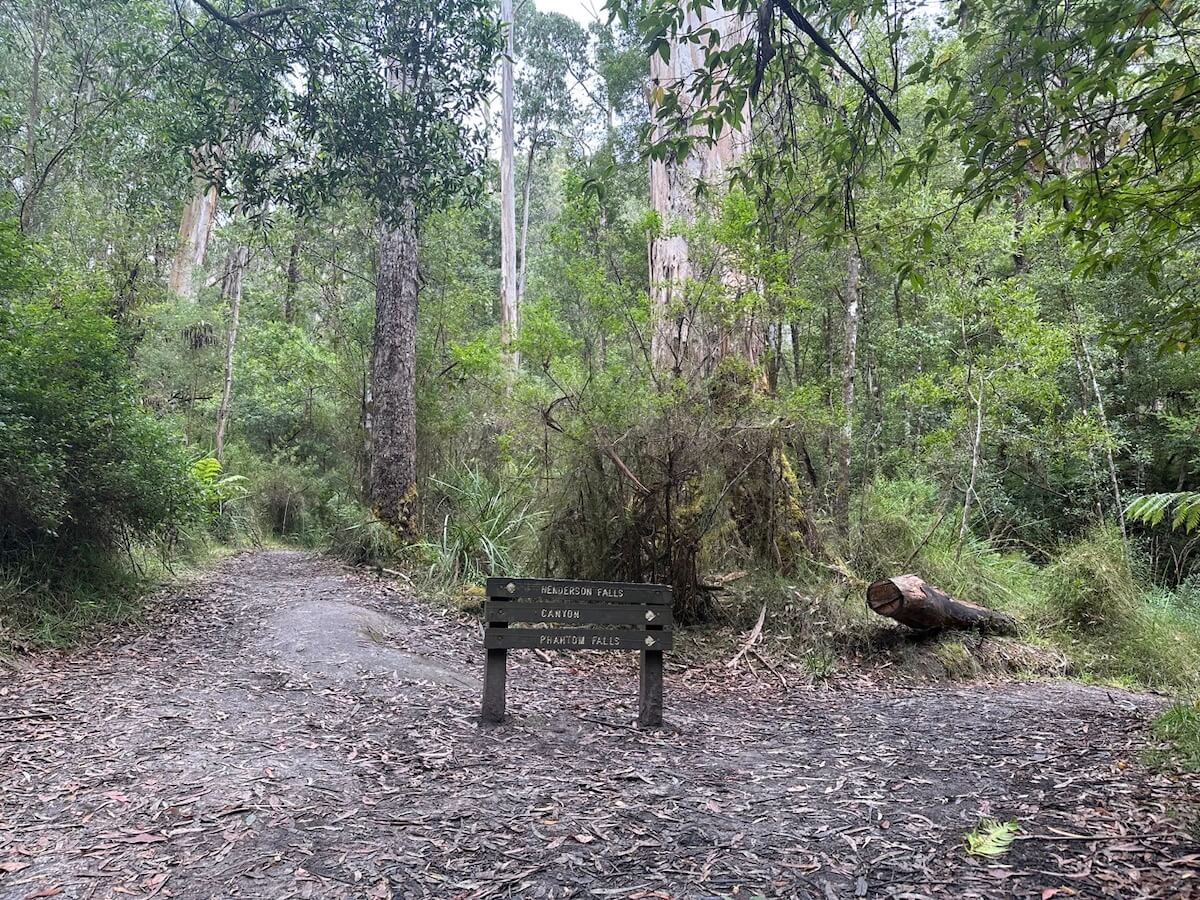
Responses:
[548,614]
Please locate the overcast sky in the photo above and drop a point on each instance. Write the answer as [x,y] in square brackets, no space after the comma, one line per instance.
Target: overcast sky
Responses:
[581,10]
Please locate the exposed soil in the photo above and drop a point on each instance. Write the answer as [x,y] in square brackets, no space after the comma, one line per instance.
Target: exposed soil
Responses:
[289,729]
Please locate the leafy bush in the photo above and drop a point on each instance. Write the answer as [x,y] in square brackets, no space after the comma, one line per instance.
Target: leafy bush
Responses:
[81,463]
[224,498]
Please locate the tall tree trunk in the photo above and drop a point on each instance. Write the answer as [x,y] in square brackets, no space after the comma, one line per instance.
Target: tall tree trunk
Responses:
[525,226]
[672,183]
[293,279]
[195,228]
[231,290]
[393,395]
[976,457]
[853,316]
[508,207]
[1084,361]
[33,117]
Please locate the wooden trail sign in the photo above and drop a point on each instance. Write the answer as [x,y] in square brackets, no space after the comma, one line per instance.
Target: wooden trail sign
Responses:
[552,614]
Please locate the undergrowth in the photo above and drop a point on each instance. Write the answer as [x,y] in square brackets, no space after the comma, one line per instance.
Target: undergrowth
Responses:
[56,603]
[1179,727]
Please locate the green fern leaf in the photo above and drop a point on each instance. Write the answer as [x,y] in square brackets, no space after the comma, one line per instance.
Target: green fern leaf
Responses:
[991,838]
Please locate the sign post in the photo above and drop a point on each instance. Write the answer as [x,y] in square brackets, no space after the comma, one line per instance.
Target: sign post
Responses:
[555,614]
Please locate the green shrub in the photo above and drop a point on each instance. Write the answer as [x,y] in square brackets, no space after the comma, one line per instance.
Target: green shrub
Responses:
[361,539]
[225,501]
[81,462]
[486,526]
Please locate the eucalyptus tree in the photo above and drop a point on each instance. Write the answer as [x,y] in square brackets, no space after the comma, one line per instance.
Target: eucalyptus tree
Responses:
[314,102]
[71,74]
[508,208]
[555,68]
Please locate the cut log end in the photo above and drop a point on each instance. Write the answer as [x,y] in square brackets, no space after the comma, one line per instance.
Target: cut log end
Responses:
[923,607]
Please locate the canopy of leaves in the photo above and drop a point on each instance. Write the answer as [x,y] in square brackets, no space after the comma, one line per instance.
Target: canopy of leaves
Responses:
[305,102]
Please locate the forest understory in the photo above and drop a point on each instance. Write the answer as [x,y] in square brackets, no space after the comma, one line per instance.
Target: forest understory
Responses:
[286,728]
[766,302]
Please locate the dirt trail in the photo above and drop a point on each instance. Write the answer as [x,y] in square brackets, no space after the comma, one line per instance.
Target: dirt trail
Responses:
[291,730]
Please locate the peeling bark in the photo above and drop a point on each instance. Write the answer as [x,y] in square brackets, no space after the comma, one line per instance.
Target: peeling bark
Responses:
[195,229]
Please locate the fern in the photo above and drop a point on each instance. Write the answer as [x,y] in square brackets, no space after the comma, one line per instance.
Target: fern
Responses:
[1151,509]
[991,838]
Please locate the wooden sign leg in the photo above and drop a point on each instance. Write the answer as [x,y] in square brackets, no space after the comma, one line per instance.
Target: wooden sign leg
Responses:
[650,692]
[495,672]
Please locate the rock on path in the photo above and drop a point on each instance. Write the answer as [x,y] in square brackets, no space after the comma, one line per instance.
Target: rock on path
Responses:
[288,729]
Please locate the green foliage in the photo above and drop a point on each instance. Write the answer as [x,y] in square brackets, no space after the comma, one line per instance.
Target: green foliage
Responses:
[82,461]
[1151,509]
[361,539]
[53,600]
[315,101]
[1092,585]
[1179,726]
[486,526]
[224,498]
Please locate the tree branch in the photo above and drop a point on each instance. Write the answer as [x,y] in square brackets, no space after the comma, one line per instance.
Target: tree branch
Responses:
[803,24]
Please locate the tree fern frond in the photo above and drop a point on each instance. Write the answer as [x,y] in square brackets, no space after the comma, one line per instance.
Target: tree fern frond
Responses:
[1150,509]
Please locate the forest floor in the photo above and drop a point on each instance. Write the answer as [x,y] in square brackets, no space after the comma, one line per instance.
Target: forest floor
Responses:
[285,728]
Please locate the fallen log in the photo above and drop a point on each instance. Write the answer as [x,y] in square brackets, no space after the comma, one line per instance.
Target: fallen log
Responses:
[923,607]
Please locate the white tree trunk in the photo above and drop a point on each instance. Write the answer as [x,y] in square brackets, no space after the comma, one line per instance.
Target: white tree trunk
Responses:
[33,117]
[976,456]
[525,227]
[853,316]
[1114,481]
[508,207]
[195,228]
[231,289]
[672,184]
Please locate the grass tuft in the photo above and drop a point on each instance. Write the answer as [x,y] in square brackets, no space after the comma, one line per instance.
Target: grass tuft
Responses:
[1179,726]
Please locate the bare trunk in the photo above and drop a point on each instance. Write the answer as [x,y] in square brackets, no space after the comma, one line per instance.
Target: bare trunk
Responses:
[392,408]
[33,119]
[849,368]
[195,228]
[525,226]
[675,339]
[231,290]
[293,279]
[976,453]
[508,208]
[1114,481]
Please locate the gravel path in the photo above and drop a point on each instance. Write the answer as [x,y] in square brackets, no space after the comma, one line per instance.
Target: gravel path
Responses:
[288,729]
